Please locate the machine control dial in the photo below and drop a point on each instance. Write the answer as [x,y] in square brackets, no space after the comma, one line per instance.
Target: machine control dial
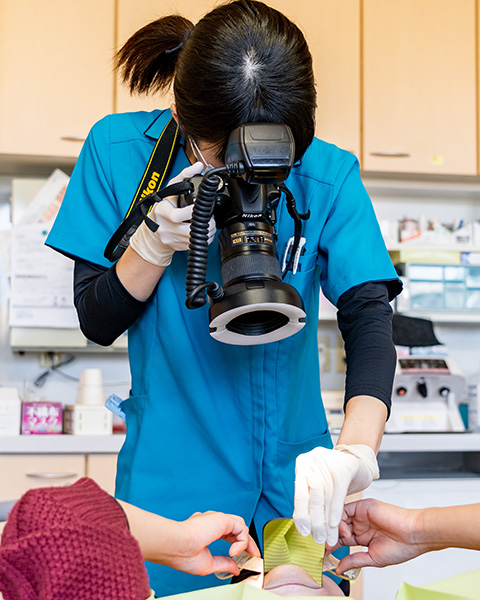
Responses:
[422,387]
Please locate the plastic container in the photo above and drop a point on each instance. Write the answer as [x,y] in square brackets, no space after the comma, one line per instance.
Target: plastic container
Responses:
[90,388]
[473,391]
[87,420]
[10,411]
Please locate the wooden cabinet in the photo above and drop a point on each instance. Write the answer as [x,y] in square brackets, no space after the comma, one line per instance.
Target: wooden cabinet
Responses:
[134,14]
[332,31]
[102,468]
[21,472]
[419,78]
[401,76]
[56,75]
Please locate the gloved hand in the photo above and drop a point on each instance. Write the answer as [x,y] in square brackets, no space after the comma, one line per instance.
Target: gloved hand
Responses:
[173,233]
[323,478]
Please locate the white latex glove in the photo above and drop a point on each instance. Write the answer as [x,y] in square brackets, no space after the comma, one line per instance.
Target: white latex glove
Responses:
[323,478]
[173,233]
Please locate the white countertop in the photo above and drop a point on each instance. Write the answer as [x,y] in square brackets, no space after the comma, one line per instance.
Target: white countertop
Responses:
[108,444]
[61,444]
[430,442]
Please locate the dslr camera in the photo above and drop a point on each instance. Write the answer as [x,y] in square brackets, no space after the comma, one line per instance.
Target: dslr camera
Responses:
[253,305]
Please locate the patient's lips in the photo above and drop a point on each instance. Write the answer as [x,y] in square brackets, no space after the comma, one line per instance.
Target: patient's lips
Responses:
[288,575]
[291,580]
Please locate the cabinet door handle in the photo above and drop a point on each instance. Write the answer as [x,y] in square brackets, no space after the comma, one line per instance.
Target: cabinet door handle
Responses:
[391,154]
[72,138]
[52,475]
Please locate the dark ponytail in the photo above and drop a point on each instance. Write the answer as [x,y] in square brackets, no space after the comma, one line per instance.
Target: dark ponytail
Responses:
[243,62]
[146,61]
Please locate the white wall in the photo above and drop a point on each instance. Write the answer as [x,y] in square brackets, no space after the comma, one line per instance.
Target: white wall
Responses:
[21,371]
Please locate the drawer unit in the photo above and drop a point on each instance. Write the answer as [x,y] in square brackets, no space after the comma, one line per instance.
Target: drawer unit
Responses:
[21,472]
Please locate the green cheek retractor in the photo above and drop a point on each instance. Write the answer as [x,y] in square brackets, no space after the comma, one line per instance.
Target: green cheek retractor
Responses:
[283,545]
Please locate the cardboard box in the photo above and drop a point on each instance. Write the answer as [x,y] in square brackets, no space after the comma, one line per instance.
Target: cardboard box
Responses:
[41,418]
[10,411]
[87,420]
[470,258]
[422,255]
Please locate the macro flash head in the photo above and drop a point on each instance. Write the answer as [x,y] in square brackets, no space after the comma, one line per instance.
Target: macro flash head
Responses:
[266,151]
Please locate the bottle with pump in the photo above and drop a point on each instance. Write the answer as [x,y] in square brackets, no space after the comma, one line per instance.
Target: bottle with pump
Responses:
[473,391]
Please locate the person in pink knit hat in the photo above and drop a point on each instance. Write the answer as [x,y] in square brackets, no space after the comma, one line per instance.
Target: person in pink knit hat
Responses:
[79,542]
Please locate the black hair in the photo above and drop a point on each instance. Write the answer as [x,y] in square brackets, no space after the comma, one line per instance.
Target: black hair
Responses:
[243,62]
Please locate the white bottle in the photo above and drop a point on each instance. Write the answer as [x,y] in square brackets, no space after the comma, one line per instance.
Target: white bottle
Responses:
[473,391]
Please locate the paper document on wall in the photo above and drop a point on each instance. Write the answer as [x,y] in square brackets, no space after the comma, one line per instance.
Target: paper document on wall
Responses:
[41,281]
[46,203]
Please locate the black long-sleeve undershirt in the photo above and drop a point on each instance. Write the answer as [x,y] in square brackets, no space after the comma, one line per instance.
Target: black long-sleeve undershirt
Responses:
[106,310]
[365,322]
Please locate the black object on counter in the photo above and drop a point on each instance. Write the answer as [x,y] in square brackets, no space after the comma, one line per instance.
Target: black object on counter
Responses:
[412,332]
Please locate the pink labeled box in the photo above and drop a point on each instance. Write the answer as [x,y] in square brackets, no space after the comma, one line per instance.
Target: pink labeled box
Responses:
[41,417]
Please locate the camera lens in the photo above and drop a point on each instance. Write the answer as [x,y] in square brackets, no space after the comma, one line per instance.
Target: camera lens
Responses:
[259,322]
[256,306]
[248,251]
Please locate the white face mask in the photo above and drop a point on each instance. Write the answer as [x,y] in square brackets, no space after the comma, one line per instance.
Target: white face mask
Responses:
[199,156]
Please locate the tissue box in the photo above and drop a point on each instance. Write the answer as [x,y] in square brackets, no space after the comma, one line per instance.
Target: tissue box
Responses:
[464,235]
[41,417]
[10,411]
[87,420]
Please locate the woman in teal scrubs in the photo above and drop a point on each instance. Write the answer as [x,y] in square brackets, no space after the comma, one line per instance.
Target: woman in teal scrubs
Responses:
[213,426]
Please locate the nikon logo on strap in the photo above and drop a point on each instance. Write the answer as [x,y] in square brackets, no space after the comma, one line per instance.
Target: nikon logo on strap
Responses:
[152,184]
[155,173]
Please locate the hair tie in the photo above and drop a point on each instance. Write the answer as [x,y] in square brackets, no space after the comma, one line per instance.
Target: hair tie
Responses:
[180,45]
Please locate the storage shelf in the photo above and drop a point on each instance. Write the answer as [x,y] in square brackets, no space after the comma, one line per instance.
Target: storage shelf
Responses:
[439,186]
[429,442]
[110,444]
[61,444]
[445,316]
[433,247]
[327,316]
[42,339]
[21,165]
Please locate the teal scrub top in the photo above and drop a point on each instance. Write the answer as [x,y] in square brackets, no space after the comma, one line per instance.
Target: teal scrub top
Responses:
[211,426]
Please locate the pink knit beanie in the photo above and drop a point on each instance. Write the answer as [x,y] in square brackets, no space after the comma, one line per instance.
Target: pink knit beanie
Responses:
[70,542]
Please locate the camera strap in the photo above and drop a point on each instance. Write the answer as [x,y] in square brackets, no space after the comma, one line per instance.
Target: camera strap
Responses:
[295,244]
[147,194]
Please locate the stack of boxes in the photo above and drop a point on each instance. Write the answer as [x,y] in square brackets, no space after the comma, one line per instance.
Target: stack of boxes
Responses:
[87,417]
[443,283]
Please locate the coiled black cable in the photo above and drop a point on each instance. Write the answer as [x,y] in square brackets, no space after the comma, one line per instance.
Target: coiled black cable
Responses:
[198,247]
